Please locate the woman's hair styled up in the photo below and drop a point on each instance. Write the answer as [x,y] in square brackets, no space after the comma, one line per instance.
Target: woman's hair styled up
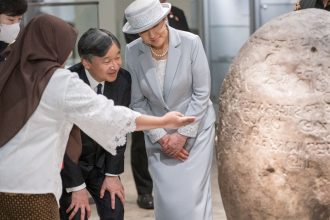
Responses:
[96,42]
[13,7]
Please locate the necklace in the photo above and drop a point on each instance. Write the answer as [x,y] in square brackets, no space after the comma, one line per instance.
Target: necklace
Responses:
[157,54]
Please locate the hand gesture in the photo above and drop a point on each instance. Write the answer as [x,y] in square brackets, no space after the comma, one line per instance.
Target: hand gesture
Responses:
[173,144]
[176,120]
[79,201]
[113,185]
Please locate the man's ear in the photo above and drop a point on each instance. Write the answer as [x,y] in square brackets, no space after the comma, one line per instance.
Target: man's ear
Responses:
[86,63]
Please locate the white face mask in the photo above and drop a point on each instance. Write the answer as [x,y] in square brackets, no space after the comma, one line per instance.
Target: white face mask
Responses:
[9,32]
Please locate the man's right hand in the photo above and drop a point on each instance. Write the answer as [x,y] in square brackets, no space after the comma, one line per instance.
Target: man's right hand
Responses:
[79,200]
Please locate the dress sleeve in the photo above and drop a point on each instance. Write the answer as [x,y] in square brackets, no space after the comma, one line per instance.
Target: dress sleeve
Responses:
[201,87]
[97,116]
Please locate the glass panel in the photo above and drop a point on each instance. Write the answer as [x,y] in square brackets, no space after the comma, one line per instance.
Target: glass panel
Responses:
[233,12]
[228,30]
[272,10]
[221,69]
[226,41]
[82,15]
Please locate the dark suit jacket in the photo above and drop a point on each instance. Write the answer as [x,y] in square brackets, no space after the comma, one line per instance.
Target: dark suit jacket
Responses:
[307,4]
[3,46]
[176,19]
[304,4]
[93,155]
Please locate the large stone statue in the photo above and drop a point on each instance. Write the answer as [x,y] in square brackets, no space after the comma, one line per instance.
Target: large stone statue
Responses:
[274,132]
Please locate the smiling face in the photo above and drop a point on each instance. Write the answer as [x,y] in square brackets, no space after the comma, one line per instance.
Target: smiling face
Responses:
[105,68]
[5,19]
[157,36]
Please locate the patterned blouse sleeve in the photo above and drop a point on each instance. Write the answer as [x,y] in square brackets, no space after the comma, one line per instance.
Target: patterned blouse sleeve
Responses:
[97,116]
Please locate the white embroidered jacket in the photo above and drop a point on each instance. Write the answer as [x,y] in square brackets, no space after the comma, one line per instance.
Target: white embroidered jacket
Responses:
[31,161]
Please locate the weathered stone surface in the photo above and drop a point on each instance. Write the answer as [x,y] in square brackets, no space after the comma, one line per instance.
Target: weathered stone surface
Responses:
[274,132]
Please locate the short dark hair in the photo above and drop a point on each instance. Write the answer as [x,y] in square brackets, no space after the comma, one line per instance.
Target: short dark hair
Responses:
[13,7]
[96,42]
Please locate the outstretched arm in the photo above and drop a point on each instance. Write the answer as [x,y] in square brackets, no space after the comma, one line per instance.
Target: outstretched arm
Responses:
[169,120]
[94,114]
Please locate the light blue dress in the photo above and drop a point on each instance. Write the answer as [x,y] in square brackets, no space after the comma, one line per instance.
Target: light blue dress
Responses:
[182,190]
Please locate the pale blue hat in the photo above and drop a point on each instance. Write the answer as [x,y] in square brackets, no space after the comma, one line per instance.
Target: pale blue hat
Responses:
[142,15]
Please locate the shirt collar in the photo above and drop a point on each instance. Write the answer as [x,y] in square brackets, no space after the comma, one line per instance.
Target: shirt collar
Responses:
[92,82]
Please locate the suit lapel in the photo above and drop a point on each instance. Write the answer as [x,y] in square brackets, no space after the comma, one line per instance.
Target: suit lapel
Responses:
[82,74]
[109,92]
[173,59]
[149,70]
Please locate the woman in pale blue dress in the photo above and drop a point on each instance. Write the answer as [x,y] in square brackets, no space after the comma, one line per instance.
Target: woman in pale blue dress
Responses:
[170,72]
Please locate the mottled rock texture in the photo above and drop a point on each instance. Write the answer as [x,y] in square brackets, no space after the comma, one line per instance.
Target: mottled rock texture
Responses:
[274,132]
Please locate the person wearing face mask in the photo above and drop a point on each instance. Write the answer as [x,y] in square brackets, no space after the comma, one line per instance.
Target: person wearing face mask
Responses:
[11,12]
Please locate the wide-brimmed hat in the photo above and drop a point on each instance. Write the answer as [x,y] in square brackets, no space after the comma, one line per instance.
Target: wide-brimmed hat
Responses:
[142,15]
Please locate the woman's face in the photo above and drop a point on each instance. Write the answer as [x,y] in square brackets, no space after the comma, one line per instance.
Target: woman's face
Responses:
[5,19]
[156,36]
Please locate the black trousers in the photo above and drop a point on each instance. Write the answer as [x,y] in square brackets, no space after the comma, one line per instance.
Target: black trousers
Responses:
[139,163]
[94,180]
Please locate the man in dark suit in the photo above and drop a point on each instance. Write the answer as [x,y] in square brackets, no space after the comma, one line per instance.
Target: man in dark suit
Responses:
[321,4]
[139,159]
[98,171]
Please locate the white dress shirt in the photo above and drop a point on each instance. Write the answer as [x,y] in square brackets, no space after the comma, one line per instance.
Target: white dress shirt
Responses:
[31,161]
[92,82]
[160,71]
